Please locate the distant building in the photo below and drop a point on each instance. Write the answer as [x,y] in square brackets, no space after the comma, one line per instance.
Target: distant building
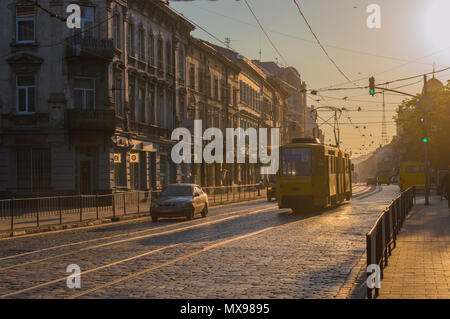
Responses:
[290,80]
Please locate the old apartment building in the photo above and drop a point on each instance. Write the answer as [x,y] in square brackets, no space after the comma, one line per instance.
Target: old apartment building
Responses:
[90,110]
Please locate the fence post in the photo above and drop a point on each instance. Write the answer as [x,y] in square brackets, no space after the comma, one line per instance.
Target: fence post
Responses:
[138,202]
[124,204]
[369,255]
[96,206]
[12,216]
[60,210]
[81,207]
[37,212]
[114,204]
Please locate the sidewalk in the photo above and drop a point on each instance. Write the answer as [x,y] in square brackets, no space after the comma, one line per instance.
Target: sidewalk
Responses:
[420,264]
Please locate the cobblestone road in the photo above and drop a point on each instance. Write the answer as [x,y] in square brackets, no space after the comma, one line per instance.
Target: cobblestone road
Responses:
[245,250]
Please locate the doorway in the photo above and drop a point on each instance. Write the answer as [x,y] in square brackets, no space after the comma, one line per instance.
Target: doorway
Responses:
[85,177]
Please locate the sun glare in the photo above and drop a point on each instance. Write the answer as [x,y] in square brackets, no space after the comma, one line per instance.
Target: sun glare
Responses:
[437,23]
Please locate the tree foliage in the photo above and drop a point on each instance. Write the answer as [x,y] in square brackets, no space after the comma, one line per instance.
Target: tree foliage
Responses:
[409,145]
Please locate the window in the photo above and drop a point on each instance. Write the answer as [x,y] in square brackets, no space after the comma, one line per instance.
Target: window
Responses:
[150,51]
[169,57]
[208,84]
[132,99]
[117,34]
[241,91]
[181,63]
[296,162]
[25,24]
[200,81]
[87,23]
[84,93]
[160,53]
[160,108]
[141,45]
[151,107]
[192,76]
[216,87]
[33,169]
[130,39]
[141,97]
[118,95]
[25,91]
[120,167]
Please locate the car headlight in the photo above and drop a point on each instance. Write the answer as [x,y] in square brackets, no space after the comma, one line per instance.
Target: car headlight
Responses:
[269,188]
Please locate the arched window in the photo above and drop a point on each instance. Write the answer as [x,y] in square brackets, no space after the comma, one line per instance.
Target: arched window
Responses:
[141,44]
[181,62]
[130,39]
[159,55]
[117,31]
[169,57]
[150,50]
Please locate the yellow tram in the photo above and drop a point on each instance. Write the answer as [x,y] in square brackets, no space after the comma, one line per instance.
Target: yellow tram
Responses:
[313,175]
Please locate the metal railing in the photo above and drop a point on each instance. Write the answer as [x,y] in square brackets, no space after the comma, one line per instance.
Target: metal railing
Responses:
[381,239]
[223,194]
[22,213]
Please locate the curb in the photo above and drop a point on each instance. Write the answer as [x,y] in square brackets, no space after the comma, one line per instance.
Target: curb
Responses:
[86,223]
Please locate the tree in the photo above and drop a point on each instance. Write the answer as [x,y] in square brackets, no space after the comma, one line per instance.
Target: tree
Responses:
[409,146]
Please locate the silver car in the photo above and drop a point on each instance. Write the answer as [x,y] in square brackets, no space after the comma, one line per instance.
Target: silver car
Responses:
[180,200]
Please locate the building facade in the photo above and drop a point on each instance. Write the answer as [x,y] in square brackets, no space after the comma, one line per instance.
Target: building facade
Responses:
[90,109]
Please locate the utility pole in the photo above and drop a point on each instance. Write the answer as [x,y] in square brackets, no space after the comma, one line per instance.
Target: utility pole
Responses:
[425,123]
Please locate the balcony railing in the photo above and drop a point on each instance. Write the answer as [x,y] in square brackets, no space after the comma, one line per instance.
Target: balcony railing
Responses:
[90,47]
[91,120]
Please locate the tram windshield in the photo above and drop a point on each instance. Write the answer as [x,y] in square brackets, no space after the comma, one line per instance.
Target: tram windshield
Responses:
[296,162]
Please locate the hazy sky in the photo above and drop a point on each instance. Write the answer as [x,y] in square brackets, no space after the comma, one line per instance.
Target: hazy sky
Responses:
[413,36]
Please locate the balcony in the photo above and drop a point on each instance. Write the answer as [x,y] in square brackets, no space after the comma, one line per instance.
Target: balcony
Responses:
[97,48]
[90,120]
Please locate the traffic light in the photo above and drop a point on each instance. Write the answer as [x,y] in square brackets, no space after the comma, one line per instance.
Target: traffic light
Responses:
[425,140]
[381,147]
[372,86]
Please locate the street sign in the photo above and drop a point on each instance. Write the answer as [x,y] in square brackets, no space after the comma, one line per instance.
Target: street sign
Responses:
[117,158]
[425,103]
[134,158]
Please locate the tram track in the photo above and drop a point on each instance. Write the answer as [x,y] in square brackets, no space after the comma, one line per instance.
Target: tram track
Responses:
[147,234]
[372,191]
[138,256]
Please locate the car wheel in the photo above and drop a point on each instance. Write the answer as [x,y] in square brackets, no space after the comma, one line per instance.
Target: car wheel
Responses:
[205,211]
[154,219]
[190,216]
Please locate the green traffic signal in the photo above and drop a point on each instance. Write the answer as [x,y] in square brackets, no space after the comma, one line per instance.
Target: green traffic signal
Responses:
[425,140]
[372,86]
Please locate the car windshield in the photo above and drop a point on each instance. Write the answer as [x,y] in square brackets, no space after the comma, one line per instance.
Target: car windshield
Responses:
[178,190]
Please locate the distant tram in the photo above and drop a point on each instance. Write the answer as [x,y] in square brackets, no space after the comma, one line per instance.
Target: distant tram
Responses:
[313,175]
